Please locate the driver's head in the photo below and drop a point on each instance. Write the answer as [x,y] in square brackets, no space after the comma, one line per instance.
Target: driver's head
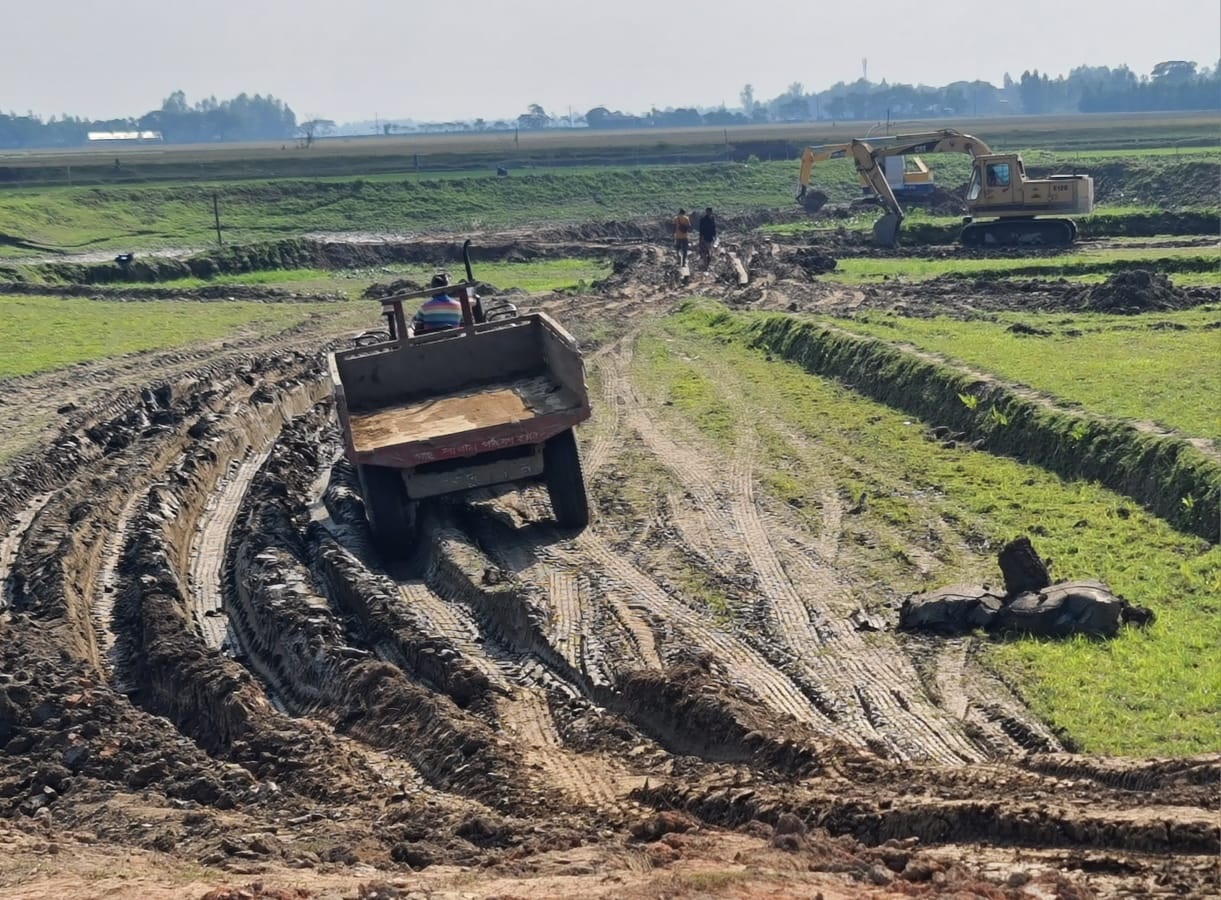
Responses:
[440,280]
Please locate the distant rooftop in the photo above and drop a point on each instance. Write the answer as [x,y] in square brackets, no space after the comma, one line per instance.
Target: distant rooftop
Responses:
[125,135]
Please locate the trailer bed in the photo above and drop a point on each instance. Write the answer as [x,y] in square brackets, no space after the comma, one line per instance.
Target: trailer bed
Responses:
[475,408]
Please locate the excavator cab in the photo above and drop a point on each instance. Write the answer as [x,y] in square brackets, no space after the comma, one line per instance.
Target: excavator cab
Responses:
[996,181]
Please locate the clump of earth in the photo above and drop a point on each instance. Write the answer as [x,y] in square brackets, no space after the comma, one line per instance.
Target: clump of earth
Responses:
[1139,290]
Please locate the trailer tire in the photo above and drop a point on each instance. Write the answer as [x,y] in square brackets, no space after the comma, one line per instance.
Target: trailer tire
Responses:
[391,515]
[565,482]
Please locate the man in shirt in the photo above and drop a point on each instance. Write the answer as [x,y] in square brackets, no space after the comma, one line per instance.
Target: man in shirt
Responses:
[682,227]
[438,312]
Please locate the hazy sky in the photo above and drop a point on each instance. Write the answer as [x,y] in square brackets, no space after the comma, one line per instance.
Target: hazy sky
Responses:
[349,59]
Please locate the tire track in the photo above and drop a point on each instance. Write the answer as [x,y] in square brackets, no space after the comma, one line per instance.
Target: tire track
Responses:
[454,624]
[10,546]
[527,717]
[206,575]
[107,581]
[521,703]
[744,663]
[867,661]
[577,609]
[948,667]
[874,696]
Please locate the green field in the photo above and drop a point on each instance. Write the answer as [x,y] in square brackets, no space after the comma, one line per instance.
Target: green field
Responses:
[569,273]
[1145,692]
[179,212]
[41,333]
[1161,368]
[181,216]
[1087,263]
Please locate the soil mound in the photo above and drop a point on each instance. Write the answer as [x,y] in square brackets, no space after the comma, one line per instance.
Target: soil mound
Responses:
[1134,292]
[942,202]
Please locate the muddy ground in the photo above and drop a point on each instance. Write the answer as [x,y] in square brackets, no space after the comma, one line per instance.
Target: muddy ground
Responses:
[211,682]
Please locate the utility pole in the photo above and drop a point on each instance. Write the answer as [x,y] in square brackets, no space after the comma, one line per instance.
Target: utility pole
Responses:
[216,213]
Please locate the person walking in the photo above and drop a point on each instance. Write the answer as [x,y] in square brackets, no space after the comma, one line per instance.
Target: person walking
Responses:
[682,229]
[707,228]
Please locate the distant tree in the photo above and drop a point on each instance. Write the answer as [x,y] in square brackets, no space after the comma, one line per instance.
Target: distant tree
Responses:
[534,117]
[1174,71]
[678,118]
[315,127]
[793,108]
[747,96]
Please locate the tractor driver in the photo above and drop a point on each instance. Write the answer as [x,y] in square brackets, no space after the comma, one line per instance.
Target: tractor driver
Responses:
[438,312]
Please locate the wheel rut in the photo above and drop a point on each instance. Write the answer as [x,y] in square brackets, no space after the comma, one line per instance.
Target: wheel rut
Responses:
[11,544]
[208,548]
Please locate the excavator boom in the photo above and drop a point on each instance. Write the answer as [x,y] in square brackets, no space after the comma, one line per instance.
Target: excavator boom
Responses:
[867,157]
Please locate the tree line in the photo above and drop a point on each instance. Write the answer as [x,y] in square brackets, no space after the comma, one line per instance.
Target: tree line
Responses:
[1171,85]
[243,118]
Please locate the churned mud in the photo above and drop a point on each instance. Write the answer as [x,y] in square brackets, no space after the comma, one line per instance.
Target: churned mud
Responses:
[209,674]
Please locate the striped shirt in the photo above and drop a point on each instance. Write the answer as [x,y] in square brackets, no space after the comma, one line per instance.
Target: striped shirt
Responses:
[437,314]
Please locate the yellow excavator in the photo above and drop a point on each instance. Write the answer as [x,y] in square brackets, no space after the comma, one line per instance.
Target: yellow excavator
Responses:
[1018,208]
[908,176]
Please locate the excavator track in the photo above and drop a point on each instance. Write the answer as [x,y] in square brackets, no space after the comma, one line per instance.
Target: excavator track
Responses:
[1010,232]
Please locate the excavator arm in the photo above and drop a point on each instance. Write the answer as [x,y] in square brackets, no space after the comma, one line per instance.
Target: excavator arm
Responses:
[813,155]
[865,156]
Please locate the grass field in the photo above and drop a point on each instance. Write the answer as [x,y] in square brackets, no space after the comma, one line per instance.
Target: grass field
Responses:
[41,333]
[181,216]
[1162,368]
[1087,262]
[1145,692]
[570,273]
[147,216]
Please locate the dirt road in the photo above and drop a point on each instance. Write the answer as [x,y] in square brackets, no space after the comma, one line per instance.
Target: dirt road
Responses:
[209,675]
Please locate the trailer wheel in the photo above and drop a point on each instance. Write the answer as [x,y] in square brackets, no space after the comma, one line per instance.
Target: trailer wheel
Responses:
[391,515]
[565,483]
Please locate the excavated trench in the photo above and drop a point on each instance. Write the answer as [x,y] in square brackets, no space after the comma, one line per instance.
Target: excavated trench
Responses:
[197,620]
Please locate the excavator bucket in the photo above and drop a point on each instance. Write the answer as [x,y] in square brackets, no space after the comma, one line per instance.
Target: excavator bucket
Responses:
[886,230]
[813,201]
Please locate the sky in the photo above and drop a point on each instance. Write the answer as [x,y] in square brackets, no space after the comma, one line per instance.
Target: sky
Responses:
[433,60]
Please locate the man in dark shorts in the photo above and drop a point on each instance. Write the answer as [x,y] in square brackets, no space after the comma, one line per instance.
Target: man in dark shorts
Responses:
[682,228]
[707,236]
